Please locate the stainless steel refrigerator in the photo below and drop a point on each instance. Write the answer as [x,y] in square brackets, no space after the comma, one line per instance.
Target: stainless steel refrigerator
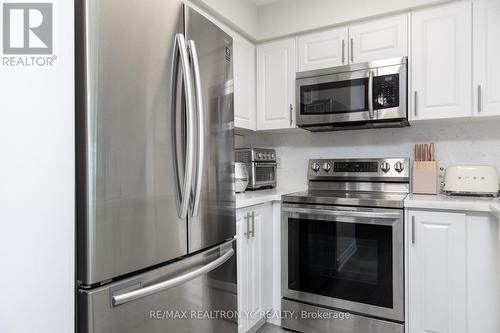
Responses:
[155,188]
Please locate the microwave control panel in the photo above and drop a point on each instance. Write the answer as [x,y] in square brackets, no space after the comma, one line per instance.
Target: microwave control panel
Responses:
[386,91]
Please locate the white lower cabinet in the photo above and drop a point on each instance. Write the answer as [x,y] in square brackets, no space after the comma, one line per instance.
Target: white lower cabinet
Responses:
[254,262]
[437,272]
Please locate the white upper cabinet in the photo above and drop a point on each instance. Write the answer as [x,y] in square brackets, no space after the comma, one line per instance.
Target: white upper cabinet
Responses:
[380,39]
[441,62]
[437,272]
[322,49]
[244,84]
[276,66]
[486,57]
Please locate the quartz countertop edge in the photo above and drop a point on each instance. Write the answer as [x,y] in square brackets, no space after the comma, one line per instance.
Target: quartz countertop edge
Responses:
[456,203]
[257,197]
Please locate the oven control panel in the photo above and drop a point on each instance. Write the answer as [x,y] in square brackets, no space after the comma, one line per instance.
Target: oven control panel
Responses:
[385,168]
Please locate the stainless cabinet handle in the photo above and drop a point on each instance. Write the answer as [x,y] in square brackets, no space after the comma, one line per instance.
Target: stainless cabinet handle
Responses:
[184,189]
[352,50]
[479,99]
[247,219]
[415,103]
[370,94]
[343,51]
[201,129]
[253,224]
[291,114]
[413,229]
[168,284]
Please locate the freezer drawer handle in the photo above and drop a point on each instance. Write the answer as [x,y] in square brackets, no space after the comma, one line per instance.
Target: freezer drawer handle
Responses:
[168,284]
[201,131]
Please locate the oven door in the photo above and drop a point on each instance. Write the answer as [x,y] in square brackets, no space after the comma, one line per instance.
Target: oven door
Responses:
[264,174]
[347,258]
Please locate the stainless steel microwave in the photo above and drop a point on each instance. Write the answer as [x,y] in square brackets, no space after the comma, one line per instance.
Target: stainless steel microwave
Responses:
[366,95]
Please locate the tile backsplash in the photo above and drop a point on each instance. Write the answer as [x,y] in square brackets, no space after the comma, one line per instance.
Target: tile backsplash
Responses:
[457,142]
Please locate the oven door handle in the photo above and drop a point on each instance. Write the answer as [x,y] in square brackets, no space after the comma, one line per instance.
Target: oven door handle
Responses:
[349,213]
[265,164]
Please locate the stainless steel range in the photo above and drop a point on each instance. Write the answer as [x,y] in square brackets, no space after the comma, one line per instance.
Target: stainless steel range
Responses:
[342,247]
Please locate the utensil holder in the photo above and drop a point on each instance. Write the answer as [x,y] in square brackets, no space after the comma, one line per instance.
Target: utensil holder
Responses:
[425,177]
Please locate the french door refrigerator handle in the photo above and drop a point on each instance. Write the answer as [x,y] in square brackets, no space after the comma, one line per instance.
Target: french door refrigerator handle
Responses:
[180,49]
[171,283]
[370,94]
[201,129]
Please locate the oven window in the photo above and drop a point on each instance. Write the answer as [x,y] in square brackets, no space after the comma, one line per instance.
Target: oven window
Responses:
[334,97]
[264,174]
[348,261]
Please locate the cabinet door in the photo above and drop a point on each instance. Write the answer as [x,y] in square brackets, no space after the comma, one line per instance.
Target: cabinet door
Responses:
[441,61]
[276,85]
[322,49]
[242,270]
[255,270]
[380,39]
[437,272]
[486,57]
[245,113]
[264,240]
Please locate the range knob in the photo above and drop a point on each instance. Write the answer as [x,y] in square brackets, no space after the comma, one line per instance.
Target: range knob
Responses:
[327,166]
[385,167]
[315,167]
[259,155]
[399,166]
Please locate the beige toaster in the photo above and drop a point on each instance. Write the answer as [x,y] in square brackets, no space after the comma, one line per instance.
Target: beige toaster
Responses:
[471,180]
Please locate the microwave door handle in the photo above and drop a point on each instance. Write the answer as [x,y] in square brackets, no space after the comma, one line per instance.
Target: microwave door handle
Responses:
[200,126]
[370,94]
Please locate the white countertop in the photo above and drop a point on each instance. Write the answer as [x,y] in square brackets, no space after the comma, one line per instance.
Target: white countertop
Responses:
[460,203]
[252,198]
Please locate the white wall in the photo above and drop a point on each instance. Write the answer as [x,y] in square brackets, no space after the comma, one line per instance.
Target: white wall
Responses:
[37,189]
[462,142]
[290,17]
[240,15]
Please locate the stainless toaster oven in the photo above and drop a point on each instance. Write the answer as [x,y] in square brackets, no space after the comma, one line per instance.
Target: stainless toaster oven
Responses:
[261,166]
